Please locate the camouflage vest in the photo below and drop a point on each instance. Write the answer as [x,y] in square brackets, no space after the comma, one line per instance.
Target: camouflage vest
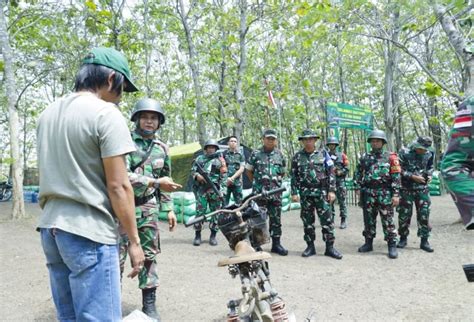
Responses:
[375,169]
[212,166]
[233,161]
[309,170]
[416,164]
[268,169]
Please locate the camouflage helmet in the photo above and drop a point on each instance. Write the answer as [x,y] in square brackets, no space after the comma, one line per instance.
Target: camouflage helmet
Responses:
[148,105]
[423,142]
[307,134]
[377,134]
[332,140]
[211,142]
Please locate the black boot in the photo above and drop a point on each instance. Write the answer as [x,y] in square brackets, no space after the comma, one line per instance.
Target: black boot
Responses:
[343,223]
[197,238]
[148,300]
[367,247]
[212,238]
[331,251]
[425,245]
[403,242]
[277,247]
[310,250]
[392,249]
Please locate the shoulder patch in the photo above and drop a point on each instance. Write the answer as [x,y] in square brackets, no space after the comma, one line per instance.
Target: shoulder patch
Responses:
[394,163]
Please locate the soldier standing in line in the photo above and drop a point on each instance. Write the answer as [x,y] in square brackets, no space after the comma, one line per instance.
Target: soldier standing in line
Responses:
[212,164]
[235,167]
[377,179]
[313,178]
[341,165]
[417,168]
[266,169]
[458,163]
[149,171]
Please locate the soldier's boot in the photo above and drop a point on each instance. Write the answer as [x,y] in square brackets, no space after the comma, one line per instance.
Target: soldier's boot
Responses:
[148,301]
[310,250]
[331,251]
[367,247]
[403,242]
[197,238]
[343,223]
[277,247]
[392,249]
[212,238]
[425,245]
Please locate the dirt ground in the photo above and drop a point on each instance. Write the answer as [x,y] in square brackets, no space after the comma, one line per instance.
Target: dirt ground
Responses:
[416,286]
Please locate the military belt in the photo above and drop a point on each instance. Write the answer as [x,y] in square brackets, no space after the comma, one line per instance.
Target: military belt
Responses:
[143,200]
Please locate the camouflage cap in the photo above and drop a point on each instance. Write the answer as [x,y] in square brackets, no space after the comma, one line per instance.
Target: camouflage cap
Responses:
[423,142]
[308,133]
[270,133]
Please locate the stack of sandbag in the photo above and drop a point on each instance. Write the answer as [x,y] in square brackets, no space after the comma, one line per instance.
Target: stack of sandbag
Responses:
[435,185]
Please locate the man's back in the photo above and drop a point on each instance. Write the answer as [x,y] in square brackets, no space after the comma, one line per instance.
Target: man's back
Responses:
[74,134]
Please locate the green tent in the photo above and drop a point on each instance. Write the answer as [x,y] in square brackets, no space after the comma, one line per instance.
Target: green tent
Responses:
[182,157]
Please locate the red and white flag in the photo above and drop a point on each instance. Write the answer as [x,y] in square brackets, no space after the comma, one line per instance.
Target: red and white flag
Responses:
[270,95]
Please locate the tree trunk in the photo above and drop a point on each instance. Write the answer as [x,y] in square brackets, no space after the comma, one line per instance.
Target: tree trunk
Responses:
[239,95]
[17,169]
[221,97]
[194,72]
[392,57]
[459,43]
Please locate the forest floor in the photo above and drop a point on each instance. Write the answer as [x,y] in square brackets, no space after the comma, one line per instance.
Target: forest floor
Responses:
[416,286]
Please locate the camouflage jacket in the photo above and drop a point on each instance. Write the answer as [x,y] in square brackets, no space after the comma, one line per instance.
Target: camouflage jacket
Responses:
[378,170]
[312,172]
[415,164]
[268,168]
[234,161]
[341,164]
[460,150]
[214,165]
[157,165]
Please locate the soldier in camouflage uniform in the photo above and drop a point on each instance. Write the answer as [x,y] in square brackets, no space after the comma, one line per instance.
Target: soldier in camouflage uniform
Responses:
[341,165]
[313,178]
[266,169]
[213,163]
[458,162]
[417,169]
[149,171]
[377,179]
[235,167]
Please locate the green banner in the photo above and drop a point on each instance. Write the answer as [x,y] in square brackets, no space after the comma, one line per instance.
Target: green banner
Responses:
[347,116]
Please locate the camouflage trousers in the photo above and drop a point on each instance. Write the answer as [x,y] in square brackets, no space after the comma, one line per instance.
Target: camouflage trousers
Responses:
[236,191]
[310,204]
[459,179]
[150,242]
[422,201]
[341,193]
[379,201]
[204,201]
[273,207]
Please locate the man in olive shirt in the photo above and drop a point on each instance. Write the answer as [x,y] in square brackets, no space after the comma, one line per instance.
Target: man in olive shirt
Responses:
[84,189]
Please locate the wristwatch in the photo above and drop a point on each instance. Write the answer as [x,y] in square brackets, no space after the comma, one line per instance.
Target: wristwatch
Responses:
[156,184]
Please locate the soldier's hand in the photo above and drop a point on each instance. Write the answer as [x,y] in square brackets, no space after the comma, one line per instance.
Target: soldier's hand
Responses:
[395,201]
[295,198]
[137,257]
[200,178]
[230,182]
[418,179]
[167,184]
[171,220]
[331,197]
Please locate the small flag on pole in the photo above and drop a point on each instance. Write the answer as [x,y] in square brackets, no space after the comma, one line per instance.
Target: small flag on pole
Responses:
[269,94]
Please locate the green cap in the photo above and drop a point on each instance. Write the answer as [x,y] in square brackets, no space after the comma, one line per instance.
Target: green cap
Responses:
[270,133]
[423,142]
[308,134]
[111,58]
